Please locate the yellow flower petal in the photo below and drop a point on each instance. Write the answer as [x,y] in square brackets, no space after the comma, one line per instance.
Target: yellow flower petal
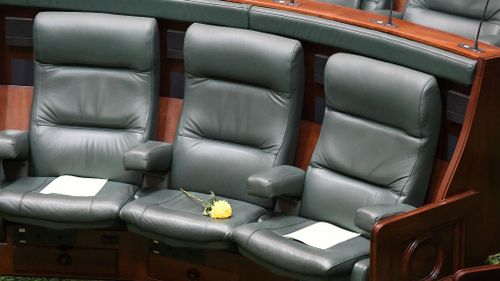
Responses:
[221,210]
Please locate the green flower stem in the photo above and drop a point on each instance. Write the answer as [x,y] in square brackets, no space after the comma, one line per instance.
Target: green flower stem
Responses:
[192,196]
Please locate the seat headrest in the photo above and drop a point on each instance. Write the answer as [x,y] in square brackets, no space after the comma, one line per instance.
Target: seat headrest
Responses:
[380,92]
[466,8]
[245,56]
[99,40]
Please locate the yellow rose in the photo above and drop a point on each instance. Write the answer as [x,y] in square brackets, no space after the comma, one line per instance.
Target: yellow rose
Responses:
[221,210]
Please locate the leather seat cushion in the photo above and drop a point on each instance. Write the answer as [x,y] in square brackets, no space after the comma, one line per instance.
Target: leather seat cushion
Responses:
[263,242]
[171,213]
[23,199]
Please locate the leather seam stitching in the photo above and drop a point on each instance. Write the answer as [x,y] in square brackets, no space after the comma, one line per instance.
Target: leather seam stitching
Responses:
[316,165]
[26,193]
[158,204]
[224,142]
[92,203]
[271,181]
[366,119]
[421,137]
[147,127]
[117,212]
[89,128]
[345,261]
[287,129]
[208,77]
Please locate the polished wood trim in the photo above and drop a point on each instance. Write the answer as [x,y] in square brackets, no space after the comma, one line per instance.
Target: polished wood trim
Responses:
[475,163]
[464,136]
[16,106]
[308,137]
[168,117]
[480,273]
[415,32]
[438,172]
[442,223]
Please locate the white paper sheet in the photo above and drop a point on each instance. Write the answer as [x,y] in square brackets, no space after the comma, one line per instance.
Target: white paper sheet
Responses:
[74,186]
[321,235]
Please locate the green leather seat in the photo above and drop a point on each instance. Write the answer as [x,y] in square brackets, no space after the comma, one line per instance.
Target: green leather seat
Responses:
[460,17]
[368,5]
[95,96]
[373,159]
[242,105]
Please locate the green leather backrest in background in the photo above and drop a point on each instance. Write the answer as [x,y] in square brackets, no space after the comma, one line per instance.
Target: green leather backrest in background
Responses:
[96,90]
[242,106]
[369,5]
[460,17]
[206,11]
[350,38]
[366,42]
[373,5]
[377,142]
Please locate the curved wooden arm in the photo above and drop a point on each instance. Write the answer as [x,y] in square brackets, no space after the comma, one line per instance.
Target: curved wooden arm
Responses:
[480,273]
[424,244]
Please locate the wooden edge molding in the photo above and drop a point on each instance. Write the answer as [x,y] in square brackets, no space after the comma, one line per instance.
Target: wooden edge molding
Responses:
[480,273]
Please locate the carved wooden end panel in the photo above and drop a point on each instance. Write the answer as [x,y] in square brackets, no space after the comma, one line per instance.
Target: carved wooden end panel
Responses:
[422,245]
[431,256]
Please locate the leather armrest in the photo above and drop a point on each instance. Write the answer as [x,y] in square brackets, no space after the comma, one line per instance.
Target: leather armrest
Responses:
[361,270]
[279,181]
[368,216]
[14,144]
[151,156]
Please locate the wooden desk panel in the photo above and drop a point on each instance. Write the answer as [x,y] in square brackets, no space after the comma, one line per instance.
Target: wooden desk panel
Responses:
[408,30]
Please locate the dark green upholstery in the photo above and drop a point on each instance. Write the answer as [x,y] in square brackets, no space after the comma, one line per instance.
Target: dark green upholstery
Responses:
[13,145]
[369,5]
[460,17]
[151,156]
[207,11]
[361,270]
[263,243]
[95,96]
[375,5]
[347,3]
[367,217]
[240,115]
[362,41]
[376,146]
[282,180]
[365,42]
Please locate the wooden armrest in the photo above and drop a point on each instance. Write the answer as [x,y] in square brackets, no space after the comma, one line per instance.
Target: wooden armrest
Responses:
[424,244]
[480,273]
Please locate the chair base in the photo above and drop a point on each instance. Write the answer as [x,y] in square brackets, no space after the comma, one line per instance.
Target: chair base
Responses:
[118,255]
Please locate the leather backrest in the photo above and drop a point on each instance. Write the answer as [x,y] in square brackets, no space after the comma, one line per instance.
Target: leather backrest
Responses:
[369,5]
[242,105]
[373,5]
[347,3]
[377,141]
[96,88]
[460,17]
